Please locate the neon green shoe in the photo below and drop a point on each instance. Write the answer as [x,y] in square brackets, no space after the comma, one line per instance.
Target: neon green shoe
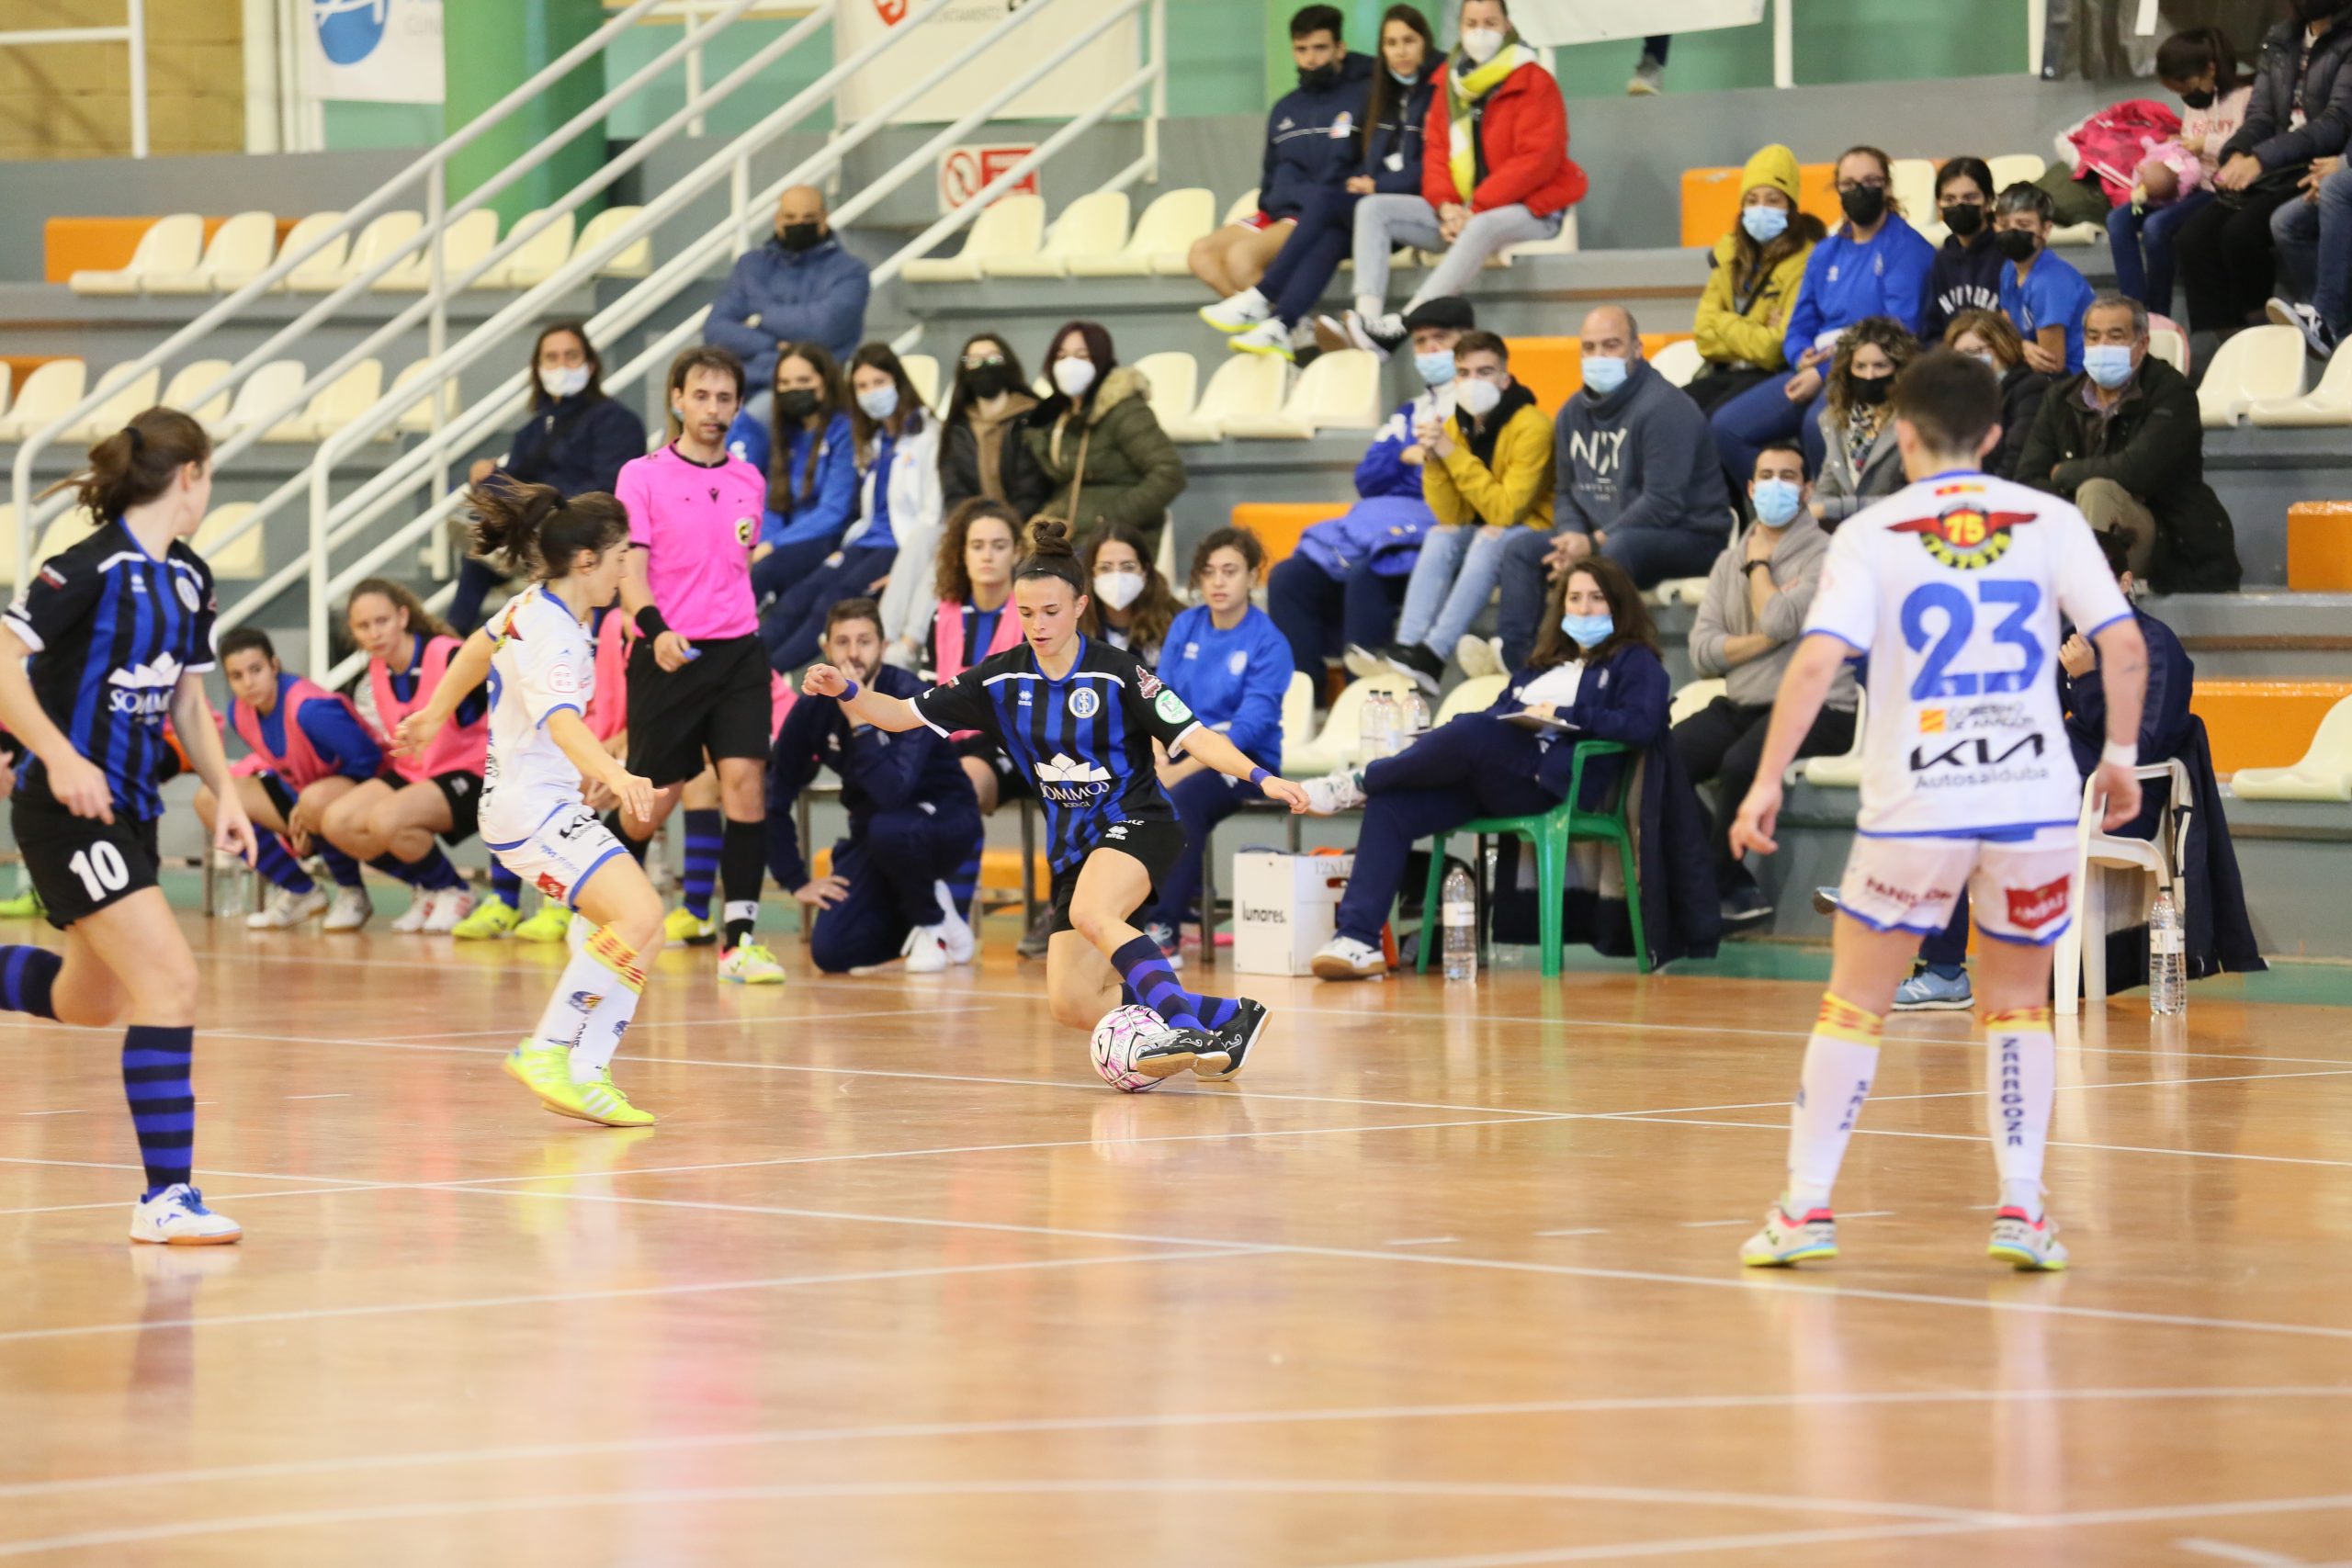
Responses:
[550,924]
[599,1100]
[544,1070]
[491,919]
[686,929]
[25,905]
[752,965]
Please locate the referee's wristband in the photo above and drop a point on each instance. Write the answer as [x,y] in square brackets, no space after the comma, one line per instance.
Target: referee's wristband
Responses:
[849,691]
[1259,776]
[650,624]
[2123,753]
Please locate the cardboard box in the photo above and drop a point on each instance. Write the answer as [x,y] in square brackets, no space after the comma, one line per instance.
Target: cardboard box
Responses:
[1284,908]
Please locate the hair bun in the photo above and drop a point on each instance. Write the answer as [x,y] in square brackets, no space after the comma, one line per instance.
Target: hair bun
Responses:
[1049,537]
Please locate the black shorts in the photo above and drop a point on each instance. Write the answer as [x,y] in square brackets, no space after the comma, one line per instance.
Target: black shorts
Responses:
[1155,842]
[79,865]
[462,790]
[1011,784]
[280,795]
[717,706]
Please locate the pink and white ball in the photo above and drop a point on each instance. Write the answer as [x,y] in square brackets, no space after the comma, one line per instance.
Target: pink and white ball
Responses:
[1116,1038]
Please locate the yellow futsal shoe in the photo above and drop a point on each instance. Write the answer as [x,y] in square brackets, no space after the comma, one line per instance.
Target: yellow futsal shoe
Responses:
[542,1069]
[551,924]
[25,905]
[599,1100]
[685,929]
[491,919]
[751,964]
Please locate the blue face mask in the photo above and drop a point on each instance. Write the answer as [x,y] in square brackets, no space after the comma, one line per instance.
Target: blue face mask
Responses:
[1764,225]
[1436,368]
[2108,364]
[1587,631]
[881,402]
[1602,375]
[1777,502]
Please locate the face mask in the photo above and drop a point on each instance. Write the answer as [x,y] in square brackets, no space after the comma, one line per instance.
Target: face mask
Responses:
[1436,368]
[1118,589]
[1864,205]
[879,403]
[568,382]
[2108,364]
[1603,374]
[1764,225]
[1477,399]
[1869,390]
[1587,631]
[1988,360]
[989,380]
[1481,44]
[2015,243]
[798,403]
[1964,218]
[1073,377]
[1777,502]
[2200,99]
[798,236]
[1404,78]
[1315,78]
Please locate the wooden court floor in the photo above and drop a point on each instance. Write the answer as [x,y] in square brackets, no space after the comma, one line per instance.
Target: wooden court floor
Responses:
[1447,1277]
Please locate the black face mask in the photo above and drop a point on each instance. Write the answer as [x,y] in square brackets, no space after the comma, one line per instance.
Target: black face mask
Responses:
[798,403]
[1869,390]
[799,236]
[1864,205]
[1964,218]
[990,380]
[2015,243]
[2201,99]
[1315,79]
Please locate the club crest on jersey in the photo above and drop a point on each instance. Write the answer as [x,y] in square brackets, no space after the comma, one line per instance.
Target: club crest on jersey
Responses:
[1965,536]
[187,592]
[1085,703]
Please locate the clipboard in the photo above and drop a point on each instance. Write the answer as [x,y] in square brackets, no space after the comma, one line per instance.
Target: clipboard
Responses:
[1541,723]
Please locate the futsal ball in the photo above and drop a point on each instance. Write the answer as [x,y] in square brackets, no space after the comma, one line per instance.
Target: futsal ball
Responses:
[1116,1039]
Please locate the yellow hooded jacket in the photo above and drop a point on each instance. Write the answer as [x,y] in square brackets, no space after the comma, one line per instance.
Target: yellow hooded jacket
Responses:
[1727,334]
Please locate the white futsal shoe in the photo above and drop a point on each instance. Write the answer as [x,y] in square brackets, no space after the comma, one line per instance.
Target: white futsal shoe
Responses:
[286,909]
[925,952]
[176,1217]
[351,909]
[1345,958]
[1335,793]
[954,930]
[2032,1245]
[420,905]
[445,908]
[1238,313]
[1788,1239]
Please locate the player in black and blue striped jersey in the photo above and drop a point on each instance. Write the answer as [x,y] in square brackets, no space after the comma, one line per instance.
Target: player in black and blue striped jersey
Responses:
[109,638]
[1079,717]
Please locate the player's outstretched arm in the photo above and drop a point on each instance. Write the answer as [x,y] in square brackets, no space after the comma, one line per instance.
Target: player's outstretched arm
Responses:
[1803,688]
[2123,671]
[876,708]
[578,742]
[201,738]
[1211,750]
[468,671]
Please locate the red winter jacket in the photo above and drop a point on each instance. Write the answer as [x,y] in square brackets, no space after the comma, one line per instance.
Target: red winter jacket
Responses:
[1525,133]
[2114,143]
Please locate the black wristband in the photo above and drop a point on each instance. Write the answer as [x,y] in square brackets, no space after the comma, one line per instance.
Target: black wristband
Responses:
[650,624]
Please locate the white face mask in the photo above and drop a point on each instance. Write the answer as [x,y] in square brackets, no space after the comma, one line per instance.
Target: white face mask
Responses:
[1118,589]
[568,382]
[1477,399]
[1481,44]
[1073,377]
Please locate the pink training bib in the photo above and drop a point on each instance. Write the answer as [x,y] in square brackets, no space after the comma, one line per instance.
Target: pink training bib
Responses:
[458,749]
[299,764]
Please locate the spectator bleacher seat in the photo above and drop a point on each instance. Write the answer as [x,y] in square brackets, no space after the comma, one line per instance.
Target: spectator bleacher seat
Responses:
[336,404]
[1334,745]
[2328,403]
[327,263]
[1679,591]
[1245,386]
[2257,365]
[269,386]
[2015,168]
[1244,206]
[1552,368]
[384,234]
[241,559]
[632,260]
[1711,200]
[417,418]
[243,244]
[1341,390]
[1474,695]
[2262,723]
[2168,342]
[1093,225]
[1693,695]
[1298,712]
[2324,771]
[1162,239]
[1279,523]
[2319,547]
[7,543]
[1012,225]
[51,389]
[1174,378]
[1915,190]
[535,259]
[127,396]
[172,245]
[7,383]
[1679,361]
[1843,771]
[922,371]
[463,245]
[1563,244]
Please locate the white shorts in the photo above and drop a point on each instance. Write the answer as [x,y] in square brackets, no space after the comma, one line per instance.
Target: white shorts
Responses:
[561,852]
[2018,890]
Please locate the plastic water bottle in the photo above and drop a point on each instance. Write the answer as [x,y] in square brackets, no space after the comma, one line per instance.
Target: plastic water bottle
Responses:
[1378,723]
[232,886]
[2167,972]
[1459,916]
[1416,715]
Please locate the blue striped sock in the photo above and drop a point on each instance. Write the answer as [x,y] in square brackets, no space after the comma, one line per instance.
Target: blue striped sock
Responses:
[434,874]
[705,832]
[155,1067]
[278,865]
[1140,963]
[341,866]
[964,880]
[26,977]
[506,887]
[399,870]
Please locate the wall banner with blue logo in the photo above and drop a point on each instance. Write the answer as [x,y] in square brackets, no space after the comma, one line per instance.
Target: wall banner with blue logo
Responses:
[384,51]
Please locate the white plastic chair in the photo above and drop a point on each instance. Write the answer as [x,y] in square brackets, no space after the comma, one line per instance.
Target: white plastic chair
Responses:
[2330,403]
[2260,363]
[2073,235]
[243,244]
[922,369]
[7,543]
[2169,344]
[1010,225]
[417,418]
[268,387]
[1679,362]
[1162,239]
[54,386]
[2324,773]
[336,404]
[2081,957]
[1298,713]
[1244,206]
[1679,591]
[1335,745]
[127,396]
[326,266]
[1843,771]
[1341,390]
[1174,378]
[242,558]
[1915,190]
[6,384]
[385,233]
[1563,244]
[189,382]
[2015,168]
[537,258]
[463,244]
[632,260]
[1245,386]
[172,243]
[1694,697]
[1093,225]
[1474,695]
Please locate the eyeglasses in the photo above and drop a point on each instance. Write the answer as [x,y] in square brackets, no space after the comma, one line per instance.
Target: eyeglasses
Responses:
[1874,183]
[974,362]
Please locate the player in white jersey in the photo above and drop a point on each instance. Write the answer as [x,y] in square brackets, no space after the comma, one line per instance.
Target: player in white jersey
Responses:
[1951,590]
[541,666]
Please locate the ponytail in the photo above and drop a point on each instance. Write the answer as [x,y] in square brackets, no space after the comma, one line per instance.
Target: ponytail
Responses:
[137,463]
[535,529]
[1051,556]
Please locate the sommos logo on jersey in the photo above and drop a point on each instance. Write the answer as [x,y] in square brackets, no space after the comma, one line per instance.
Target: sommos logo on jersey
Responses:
[1965,536]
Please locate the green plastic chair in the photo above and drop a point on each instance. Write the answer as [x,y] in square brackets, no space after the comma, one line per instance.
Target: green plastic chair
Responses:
[1550,835]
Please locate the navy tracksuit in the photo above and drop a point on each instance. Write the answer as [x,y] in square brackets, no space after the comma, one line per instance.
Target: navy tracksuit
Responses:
[1233,682]
[912,821]
[1479,766]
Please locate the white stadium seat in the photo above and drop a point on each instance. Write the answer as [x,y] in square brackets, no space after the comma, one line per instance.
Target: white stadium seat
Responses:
[1679,361]
[923,370]
[1341,390]
[51,389]
[336,404]
[463,244]
[327,265]
[2015,168]
[242,245]
[127,397]
[2328,403]
[241,558]
[1245,386]
[537,258]
[1693,696]
[2260,363]
[171,244]
[385,234]
[417,418]
[1244,206]
[632,260]
[190,382]
[2324,773]
[1012,225]
[1174,378]
[1915,190]
[1162,239]
[1093,225]
[266,388]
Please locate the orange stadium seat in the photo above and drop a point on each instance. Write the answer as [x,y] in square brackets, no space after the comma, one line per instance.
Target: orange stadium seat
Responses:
[1552,368]
[107,244]
[2263,724]
[2319,547]
[1711,200]
[1278,523]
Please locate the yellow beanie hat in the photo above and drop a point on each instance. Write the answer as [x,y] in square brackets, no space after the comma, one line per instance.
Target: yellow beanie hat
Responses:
[1775,166]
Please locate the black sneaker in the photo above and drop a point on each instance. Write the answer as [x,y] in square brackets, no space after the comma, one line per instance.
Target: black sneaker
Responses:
[2317,338]
[1240,1033]
[1040,934]
[1422,664]
[1170,1052]
[1745,909]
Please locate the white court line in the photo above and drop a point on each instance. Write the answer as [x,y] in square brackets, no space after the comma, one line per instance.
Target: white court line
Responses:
[49,1112]
[704,1288]
[636,1029]
[1979,1094]
[200,1170]
[374,1460]
[339,1096]
[1979,1137]
[2230,1552]
[1424,1240]
[221,1197]
[1710,1224]
[1590,1230]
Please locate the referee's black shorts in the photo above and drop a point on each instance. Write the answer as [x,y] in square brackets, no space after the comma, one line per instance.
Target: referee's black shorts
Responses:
[716,706]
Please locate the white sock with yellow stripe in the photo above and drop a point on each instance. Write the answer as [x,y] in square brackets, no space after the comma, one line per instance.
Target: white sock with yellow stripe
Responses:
[1841,1060]
[623,983]
[2020,1081]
